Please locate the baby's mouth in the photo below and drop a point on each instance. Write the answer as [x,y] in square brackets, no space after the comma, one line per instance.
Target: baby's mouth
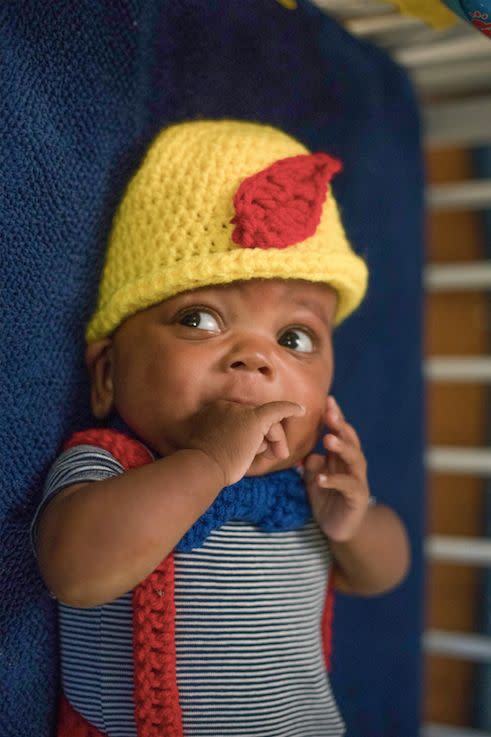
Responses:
[242,400]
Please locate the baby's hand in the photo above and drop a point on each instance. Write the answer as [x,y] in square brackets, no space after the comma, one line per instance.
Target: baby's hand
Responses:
[234,434]
[337,484]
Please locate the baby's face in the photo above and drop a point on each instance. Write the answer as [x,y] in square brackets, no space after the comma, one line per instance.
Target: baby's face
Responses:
[250,342]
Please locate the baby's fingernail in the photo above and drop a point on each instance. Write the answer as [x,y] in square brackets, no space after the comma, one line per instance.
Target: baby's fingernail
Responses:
[322,479]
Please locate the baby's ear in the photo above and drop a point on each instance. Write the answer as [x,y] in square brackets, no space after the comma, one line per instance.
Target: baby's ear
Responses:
[99,361]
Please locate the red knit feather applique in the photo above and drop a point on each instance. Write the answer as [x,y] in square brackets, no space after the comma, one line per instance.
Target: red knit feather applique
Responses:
[282,205]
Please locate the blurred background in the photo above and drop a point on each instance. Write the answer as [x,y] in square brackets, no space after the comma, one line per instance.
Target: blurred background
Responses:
[83,89]
[450,65]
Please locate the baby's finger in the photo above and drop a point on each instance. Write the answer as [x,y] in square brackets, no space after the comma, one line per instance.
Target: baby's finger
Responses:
[274,412]
[333,406]
[275,432]
[346,485]
[344,430]
[335,421]
[262,447]
[277,441]
[349,433]
[334,418]
[314,463]
[349,453]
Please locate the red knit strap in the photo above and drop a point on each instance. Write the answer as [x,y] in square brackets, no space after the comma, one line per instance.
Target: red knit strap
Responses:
[130,453]
[327,620]
[157,707]
[73,724]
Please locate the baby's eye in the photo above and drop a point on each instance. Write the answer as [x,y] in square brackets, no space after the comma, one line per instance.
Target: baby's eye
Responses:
[297,340]
[201,319]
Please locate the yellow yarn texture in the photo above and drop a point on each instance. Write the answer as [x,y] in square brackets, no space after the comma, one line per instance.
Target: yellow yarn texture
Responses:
[172,231]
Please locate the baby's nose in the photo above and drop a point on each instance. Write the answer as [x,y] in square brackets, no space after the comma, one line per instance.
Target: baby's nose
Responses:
[247,357]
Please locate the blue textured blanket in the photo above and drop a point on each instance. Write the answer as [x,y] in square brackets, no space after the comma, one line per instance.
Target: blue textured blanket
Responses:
[84,86]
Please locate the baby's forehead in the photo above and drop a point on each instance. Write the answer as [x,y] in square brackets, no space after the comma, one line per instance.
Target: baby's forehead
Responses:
[281,288]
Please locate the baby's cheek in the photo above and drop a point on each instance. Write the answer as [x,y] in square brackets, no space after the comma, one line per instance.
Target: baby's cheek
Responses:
[182,392]
[316,424]
[306,433]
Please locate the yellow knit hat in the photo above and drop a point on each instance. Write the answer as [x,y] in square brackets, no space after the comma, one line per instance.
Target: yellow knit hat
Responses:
[174,232]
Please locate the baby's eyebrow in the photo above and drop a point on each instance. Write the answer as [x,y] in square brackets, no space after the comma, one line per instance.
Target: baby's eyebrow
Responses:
[314,307]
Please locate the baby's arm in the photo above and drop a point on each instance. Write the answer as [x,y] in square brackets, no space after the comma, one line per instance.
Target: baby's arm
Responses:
[376,559]
[369,543]
[97,541]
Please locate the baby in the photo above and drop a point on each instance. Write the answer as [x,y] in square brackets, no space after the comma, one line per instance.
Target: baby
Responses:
[190,537]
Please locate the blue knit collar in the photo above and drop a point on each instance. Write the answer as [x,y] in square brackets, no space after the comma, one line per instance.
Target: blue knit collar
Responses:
[274,502]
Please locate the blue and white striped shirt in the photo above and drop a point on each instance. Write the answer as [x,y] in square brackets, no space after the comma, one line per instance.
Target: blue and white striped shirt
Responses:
[248,641]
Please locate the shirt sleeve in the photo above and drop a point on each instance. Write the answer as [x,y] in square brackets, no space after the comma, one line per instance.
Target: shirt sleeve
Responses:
[77,465]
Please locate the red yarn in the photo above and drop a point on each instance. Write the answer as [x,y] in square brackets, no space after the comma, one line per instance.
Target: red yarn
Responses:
[282,205]
[157,708]
[156,695]
[73,724]
[483,26]
[327,621]
[130,453]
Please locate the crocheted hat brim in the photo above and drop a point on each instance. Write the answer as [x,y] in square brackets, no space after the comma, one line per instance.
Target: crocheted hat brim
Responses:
[347,274]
